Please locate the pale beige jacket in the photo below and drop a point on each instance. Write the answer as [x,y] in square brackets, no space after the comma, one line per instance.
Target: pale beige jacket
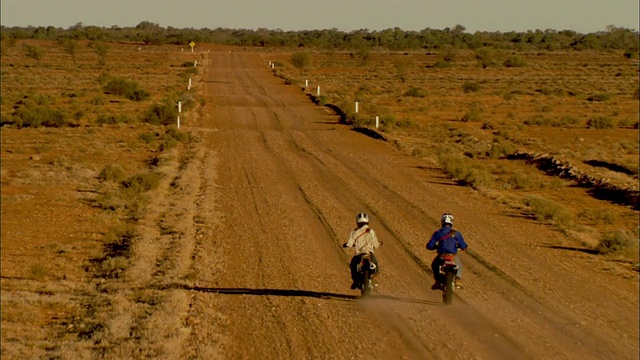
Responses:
[364,239]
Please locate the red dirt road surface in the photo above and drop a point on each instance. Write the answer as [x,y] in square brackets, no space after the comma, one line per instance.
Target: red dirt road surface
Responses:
[278,184]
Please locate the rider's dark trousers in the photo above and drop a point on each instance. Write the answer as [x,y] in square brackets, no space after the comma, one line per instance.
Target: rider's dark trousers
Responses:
[354,265]
[437,261]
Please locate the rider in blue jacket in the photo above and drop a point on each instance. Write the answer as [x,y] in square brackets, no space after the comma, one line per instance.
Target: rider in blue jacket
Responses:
[446,241]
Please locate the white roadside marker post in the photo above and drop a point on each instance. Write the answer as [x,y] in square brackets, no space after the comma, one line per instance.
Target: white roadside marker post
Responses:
[318,91]
[189,87]
[179,111]
[356,107]
[376,122]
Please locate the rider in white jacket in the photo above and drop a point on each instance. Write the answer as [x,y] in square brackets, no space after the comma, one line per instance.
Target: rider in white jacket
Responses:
[365,241]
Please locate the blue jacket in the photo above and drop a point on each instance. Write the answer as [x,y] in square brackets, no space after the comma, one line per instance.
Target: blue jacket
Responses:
[446,244]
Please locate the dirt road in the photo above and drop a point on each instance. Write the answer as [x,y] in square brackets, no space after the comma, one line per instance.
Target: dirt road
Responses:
[276,183]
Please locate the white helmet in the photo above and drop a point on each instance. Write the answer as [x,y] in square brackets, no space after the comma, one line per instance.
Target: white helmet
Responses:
[362,218]
[446,218]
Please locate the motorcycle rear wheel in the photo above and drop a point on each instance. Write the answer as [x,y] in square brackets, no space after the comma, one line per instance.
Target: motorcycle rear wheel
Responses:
[447,292]
[366,282]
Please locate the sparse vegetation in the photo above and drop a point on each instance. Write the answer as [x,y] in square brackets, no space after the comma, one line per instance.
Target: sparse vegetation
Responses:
[614,241]
[126,88]
[300,60]
[600,122]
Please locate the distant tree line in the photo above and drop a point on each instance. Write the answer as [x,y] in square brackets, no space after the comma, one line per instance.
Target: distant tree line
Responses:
[396,39]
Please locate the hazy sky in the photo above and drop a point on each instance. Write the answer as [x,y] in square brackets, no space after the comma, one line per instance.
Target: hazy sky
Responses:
[491,15]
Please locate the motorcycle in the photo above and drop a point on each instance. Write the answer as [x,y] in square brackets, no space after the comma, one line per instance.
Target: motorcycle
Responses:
[366,270]
[447,274]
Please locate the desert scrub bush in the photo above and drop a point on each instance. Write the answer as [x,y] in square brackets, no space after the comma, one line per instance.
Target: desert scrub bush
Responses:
[178,135]
[568,120]
[470,86]
[549,211]
[149,137]
[142,182]
[597,216]
[628,123]
[463,170]
[441,64]
[33,52]
[614,241]
[473,115]
[188,72]
[113,119]
[114,173]
[501,148]
[600,122]
[551,91]
[300,60]
[172,137]
[101,50]
[98,100]
[38,272]
[117,248]
[31,114]
[126,88]
[519,181]
[515,61]
[415,92]
[599,97]
[485,57]
[161,114]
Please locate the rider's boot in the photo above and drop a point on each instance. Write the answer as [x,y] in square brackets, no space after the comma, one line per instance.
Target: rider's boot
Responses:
[458,283]
[436,286]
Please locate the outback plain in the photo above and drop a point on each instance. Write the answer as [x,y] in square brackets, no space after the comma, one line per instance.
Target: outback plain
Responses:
[125,235]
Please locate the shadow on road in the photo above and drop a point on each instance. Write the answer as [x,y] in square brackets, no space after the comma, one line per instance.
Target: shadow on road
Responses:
[292,293]
[571,248]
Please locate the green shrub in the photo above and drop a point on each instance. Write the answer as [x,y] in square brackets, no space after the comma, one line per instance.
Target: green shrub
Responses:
[415,92]
[148,137]
[34,53]
[546,210]
[35,116]
[515,61]
[470,86]
[520,181]
[485,57]
[501,148]
[628,123]
[142,182]
[473,115]
[178,135]
[113,173]
[597,216]
[128,89]
[161,114]
[599,97]
[300,60]
[600,122]
[112,119]
[463,171]
[613,242]
[441,64]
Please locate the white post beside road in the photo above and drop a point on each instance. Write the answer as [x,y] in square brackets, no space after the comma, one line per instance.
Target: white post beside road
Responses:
[356,107]
[179,107]
[195,63]
[189,87]
[318,91]
[306,83]
[376,122]
[178,122]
